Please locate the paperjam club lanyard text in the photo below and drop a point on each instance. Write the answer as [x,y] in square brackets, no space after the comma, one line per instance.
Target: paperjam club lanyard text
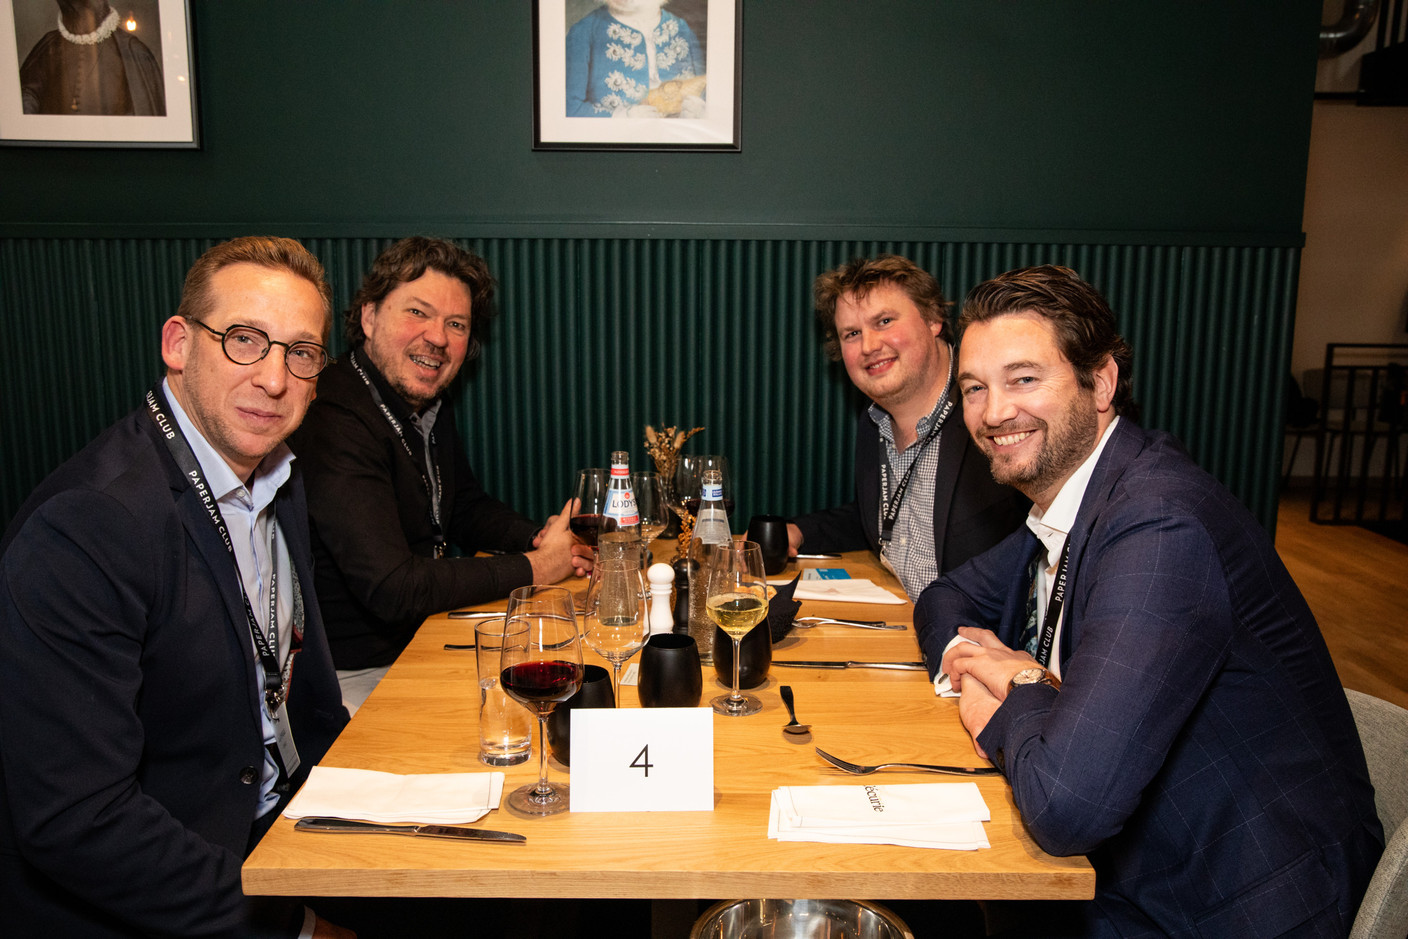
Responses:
[276,681]
[431,492]
[1053,606]
[890,503]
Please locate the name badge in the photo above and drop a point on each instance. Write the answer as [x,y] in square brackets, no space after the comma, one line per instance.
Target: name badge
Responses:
[642,760]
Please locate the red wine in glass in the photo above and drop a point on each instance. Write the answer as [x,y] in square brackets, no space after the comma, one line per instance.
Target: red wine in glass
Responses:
[589,526]
[692,506]
[541,685]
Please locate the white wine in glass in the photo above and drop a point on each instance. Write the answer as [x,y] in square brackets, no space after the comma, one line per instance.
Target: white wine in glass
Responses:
[737,600]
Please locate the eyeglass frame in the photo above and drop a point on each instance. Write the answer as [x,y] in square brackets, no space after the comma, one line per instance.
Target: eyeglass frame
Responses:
[288,346]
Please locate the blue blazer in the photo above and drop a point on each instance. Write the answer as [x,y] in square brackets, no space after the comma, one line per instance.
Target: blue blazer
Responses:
[1200,749]
[129,710]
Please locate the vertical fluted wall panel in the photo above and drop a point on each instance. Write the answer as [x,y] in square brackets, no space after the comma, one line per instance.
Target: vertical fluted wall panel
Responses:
[597,337]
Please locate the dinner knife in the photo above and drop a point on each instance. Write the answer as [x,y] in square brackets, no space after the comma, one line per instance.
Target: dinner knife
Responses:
[862,623]
[314,823]
[904,666]
[469,614]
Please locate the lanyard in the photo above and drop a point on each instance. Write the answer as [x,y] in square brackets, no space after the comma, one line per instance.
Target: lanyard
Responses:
[1053,606]
[432,492]
[276,681]
[890,503]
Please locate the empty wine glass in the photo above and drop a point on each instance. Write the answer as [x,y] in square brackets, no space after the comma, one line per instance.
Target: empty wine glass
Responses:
[654,511]
[540,667]
[617,621]
[736,599]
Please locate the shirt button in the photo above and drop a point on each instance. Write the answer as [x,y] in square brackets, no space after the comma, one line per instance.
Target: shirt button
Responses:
[248,776]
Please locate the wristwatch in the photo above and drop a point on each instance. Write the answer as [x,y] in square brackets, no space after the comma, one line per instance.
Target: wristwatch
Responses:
[1029,676]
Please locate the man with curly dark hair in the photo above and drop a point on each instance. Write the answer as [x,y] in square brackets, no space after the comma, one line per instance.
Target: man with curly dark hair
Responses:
[390,490]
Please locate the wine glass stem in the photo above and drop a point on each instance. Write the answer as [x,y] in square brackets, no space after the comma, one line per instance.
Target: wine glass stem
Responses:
[737,695]
[616,682]
[543,790]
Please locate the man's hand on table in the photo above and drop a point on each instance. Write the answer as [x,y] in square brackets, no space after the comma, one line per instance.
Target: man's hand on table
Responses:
[794,540]
[981,670]
[557,552]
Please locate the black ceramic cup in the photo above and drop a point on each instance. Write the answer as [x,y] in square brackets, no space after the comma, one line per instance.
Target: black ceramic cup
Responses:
[770,532]
[594,693]
[755,655]
[670,673]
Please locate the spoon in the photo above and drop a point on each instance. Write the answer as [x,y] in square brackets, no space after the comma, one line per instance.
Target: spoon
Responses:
[793,728]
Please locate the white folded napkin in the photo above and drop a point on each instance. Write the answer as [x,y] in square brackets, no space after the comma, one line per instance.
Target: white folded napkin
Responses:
[923,815]
[842,590]
[943,687]
[391,798]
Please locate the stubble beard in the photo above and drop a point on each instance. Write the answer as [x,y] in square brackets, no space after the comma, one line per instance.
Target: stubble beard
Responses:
[1065,446]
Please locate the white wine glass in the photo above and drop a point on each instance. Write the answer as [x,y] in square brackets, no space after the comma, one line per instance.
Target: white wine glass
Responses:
[540,667]
[617,621]
[736,599]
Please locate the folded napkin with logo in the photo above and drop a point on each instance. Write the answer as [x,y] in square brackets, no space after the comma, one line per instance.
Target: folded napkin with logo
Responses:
[390,798]
[842,590]
[921,815]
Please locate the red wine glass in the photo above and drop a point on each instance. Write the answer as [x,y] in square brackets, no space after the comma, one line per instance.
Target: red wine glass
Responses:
[540,667]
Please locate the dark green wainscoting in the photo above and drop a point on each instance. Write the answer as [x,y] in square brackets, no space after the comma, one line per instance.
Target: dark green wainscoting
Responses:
[599,336]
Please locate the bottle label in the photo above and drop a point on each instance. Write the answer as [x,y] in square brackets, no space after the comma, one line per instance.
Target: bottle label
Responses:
[620,469]
[621,505]
[713,493]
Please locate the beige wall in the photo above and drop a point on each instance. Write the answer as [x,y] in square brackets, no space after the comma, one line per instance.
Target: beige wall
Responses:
[1354,271]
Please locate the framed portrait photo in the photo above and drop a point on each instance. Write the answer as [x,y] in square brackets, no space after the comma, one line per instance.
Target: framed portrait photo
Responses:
[85,73]
[636,74]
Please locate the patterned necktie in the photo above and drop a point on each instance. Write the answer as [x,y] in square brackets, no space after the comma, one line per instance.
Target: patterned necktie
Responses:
[1029,631]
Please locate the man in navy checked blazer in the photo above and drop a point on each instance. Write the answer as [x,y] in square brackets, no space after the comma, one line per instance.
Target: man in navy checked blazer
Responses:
[1137,660]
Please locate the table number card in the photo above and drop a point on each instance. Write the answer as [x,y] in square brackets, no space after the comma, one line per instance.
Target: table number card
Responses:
[642,760]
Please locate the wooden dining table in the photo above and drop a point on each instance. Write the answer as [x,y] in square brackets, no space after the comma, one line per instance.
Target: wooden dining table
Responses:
[422,718]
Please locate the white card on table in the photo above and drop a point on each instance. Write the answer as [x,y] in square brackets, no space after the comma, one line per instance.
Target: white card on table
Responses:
[642,760]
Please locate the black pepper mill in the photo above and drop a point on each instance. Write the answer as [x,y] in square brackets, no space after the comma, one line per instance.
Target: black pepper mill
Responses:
[681,611]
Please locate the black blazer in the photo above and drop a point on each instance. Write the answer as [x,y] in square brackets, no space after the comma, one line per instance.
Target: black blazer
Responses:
[129,704]
[972,512]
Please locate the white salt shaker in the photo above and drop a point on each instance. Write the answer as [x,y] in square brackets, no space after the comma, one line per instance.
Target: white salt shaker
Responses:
[662,581]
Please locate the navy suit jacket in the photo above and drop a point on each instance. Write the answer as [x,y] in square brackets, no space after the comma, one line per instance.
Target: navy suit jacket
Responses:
[129,712]
[1200,749]
[972,512]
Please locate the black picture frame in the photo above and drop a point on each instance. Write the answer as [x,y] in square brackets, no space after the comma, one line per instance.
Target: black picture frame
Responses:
[154,44]
[593,88]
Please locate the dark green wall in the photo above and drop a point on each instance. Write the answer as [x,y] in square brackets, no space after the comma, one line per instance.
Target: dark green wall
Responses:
[1160,147]
[1162,115]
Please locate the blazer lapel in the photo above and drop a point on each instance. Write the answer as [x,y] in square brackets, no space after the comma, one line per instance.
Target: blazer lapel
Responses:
[210,546]
[1125,444]
[951,451]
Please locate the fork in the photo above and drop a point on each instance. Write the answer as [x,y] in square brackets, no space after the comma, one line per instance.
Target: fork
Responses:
[807,622]
[859,770]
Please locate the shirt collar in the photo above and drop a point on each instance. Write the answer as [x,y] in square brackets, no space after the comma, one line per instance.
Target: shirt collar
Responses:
[271,474]
[1053,525]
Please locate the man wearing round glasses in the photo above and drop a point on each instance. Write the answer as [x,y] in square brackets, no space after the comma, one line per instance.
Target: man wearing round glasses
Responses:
[155,594]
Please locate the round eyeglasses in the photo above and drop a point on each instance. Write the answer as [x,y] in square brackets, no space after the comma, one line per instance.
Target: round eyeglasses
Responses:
[245,345]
